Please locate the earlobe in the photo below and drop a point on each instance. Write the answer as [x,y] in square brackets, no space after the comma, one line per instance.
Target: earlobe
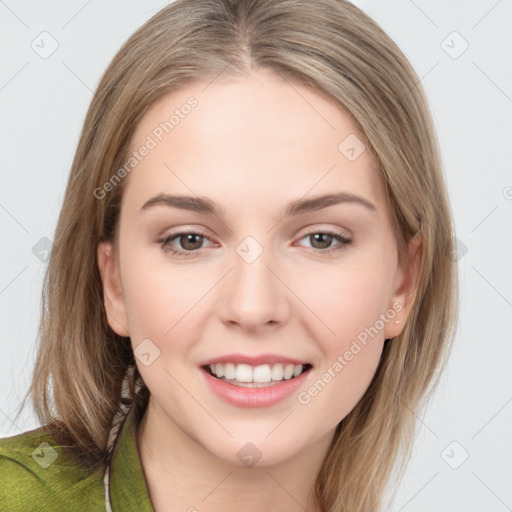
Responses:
[112,291]
[405,288]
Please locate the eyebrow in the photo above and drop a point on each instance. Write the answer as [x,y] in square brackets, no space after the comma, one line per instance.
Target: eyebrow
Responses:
[208,207]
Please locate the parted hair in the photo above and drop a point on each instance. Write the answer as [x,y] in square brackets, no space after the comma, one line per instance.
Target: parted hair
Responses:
[83,370]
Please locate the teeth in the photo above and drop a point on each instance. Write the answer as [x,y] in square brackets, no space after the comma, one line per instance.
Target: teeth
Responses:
[243,373]
[260,374]
[297,370]
[219,370]
[288,371]
[277,372]
[229,371]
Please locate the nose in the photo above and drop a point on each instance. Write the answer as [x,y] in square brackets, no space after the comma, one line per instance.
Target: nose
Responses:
[253,295]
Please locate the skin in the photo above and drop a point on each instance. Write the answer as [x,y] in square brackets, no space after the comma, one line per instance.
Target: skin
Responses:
[251,145]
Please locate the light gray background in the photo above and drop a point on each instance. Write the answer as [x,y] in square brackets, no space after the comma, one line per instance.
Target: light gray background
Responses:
[43,104]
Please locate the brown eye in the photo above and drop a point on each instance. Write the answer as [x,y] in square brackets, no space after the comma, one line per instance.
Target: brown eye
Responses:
[190,241]
[321,240]
[183,243]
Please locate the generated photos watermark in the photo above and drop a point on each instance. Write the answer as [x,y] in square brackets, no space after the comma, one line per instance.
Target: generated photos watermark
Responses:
[152,140]
[342,360]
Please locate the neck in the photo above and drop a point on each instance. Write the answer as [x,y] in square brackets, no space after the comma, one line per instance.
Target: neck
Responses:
[182,475]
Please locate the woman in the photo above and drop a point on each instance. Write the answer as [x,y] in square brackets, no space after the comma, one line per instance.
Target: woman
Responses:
[252,285]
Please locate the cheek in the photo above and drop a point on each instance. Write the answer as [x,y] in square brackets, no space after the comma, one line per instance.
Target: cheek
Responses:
[163,302]
[160,297]
[349,333]
[347,300]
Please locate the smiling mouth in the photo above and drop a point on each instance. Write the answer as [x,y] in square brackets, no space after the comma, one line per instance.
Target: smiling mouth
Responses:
[261,376]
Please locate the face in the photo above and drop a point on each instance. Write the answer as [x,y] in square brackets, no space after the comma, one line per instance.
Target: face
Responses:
[253,268]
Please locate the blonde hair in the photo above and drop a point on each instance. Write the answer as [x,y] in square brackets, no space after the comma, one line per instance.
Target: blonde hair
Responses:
[82,365]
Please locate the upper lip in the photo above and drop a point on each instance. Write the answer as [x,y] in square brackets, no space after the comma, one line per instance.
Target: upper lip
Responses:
[253,360]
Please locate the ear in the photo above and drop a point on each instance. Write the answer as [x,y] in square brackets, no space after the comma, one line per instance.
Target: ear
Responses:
[404,288]
[112,290]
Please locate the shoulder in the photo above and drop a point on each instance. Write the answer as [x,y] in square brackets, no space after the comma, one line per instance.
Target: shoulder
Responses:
[40,473]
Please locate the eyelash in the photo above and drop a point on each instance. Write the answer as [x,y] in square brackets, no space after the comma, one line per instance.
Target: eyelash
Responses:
[164,242]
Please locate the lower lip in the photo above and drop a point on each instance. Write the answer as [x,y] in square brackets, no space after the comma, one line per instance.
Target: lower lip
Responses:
[241,396]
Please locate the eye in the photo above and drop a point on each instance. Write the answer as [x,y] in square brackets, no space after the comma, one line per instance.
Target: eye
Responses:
[190,241]
[322,240]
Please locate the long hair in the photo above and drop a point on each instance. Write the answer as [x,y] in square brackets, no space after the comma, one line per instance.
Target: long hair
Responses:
[83,369]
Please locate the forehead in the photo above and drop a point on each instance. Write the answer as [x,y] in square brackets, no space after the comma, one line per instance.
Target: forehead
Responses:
[253,137]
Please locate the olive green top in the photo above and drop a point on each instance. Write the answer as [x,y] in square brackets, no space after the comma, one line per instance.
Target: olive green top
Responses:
[39,474]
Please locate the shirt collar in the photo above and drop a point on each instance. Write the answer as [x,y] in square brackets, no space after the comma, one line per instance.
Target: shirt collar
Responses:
[128,489]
